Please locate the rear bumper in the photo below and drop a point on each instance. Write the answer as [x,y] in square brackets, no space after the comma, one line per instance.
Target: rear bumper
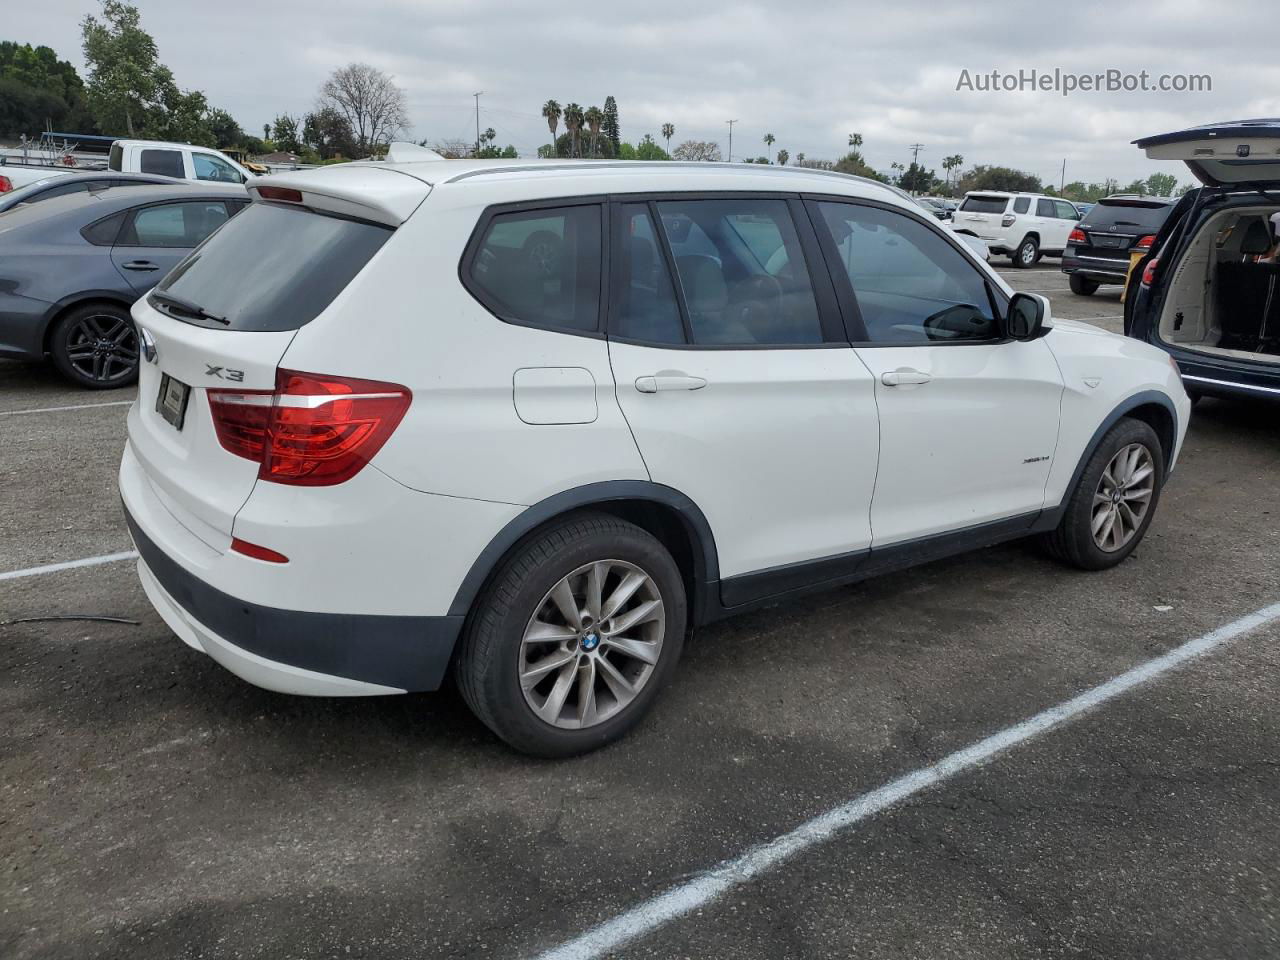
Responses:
[1098,269]
[295,651]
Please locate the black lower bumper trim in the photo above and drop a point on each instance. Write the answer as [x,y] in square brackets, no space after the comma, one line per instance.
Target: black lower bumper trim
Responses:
[410,653]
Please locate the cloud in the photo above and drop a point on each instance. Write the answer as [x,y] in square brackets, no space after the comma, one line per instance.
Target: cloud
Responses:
[808,71]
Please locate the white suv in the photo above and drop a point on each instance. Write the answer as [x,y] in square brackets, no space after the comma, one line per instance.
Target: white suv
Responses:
[1024,225]
[533,423]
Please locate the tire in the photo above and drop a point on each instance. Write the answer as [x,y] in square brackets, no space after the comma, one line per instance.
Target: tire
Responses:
[1082,286]
[96,346]
[1028,253]
[496,649]
[1074,542]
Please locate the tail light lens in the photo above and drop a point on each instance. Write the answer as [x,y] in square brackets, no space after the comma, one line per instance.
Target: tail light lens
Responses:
[1007,220]
[257,551]
[1149,272]
[313,430]
[1146,242]
[1077,236]
[5,184]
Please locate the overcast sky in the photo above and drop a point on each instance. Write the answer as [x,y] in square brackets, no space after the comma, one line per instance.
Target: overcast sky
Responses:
[807,71]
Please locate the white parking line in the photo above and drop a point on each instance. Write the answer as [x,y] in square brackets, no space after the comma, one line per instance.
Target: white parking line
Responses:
[77,406]
[69,565]
[687,897]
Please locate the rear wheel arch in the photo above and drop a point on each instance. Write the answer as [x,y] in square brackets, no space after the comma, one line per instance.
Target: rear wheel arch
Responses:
[61,309]
[664,512]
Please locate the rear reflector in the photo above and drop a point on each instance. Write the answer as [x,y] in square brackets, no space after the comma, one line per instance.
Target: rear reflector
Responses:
[257,552]
[288,194]
[1077,236]
[5,184]
[313,429]
[1145,243]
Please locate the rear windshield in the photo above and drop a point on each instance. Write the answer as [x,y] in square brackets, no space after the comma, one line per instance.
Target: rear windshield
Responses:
[1122,214]
[984,204]
[273,267]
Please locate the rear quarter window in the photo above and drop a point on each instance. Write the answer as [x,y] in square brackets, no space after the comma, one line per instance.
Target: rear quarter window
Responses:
[274,267]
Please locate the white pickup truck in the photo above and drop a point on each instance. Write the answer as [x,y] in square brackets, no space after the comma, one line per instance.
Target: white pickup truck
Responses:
[180,160]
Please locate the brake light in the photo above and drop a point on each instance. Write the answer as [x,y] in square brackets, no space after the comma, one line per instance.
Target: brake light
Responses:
[1146,242]
[5,184]
[313,430]
[257,552]
[1077,236]
[1007,220]
[288,194]
[1149,272]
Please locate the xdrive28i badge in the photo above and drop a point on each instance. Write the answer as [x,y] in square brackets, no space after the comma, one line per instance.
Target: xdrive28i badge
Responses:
[223,373]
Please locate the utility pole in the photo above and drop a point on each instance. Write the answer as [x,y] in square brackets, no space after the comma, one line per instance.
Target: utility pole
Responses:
[915,151]
[1063,185]
[731,123]
[478,95]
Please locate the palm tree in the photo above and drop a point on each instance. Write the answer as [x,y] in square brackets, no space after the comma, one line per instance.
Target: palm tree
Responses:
[551,112]
[769,138]
[950,163]
[668,131]
[573,123]
[855,140]
[594,117]
[783,157]
[899,168]
[799,159]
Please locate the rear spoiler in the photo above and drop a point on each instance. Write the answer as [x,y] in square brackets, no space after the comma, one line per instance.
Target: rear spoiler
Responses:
[369,191]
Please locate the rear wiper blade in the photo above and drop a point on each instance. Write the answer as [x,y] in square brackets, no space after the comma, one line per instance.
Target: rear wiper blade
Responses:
[182,304]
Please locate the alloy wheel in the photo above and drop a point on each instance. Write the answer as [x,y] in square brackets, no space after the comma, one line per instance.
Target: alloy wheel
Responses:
[592,644]
[102,347]
[1123,496]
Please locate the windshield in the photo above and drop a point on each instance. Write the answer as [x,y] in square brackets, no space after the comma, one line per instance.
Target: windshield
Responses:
[274,267]
[980,204]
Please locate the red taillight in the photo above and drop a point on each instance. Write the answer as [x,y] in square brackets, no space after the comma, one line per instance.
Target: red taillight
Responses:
[1077,236]
[312,430]
[5,184]
[1149,272]
[288,194]
[257,552]
[1146,242]
[1007,220]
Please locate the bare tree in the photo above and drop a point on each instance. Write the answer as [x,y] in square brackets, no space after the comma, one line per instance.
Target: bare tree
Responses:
[370,101]
[697,150]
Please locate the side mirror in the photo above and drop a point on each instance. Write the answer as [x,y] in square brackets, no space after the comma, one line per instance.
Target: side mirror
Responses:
[1025,317]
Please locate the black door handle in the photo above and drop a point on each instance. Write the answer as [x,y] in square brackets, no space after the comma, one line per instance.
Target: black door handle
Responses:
[140,265]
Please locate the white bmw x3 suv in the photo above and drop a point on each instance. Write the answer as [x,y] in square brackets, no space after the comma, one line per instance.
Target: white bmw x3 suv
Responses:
[533,423]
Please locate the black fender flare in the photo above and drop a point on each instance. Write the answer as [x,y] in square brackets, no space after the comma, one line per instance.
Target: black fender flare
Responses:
[706,563]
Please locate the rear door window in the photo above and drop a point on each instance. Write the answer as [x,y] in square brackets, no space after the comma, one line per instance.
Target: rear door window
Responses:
[1044,208]
[274,267]
[645,306]
[167,163]
[185,224]
[541,267]
[983,204]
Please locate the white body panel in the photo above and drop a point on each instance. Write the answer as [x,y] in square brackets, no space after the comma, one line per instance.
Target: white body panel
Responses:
[973,444]
[131,157]
[779,447]
[21,176]
[989,227]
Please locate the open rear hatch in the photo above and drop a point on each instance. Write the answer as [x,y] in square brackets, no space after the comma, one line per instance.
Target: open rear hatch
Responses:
[1234,153]
[214,330]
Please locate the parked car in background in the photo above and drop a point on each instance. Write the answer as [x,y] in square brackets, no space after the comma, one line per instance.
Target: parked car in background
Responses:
[935,207]
[1100,246]
[1084,208]
[334,491]
[70,268]
[1026,226]
[1208,292]
[16,176]
[181,161]
[66,184]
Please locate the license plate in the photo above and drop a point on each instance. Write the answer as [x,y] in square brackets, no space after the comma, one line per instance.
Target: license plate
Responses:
[172,402]
[1111,243]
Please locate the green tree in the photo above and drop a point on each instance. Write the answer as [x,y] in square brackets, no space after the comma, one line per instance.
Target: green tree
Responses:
[286,133]
[226,132]
[668,131]
[853,163]
[916,179]
[551,113]
[983,177]
[648,149]
[327,132]
[952,163]
[594,118]
[783,157]
[769,139]
[127,83]
[612,133]
[1162,184]
[573,117]
[697,150]
[855,140]
[38,89]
